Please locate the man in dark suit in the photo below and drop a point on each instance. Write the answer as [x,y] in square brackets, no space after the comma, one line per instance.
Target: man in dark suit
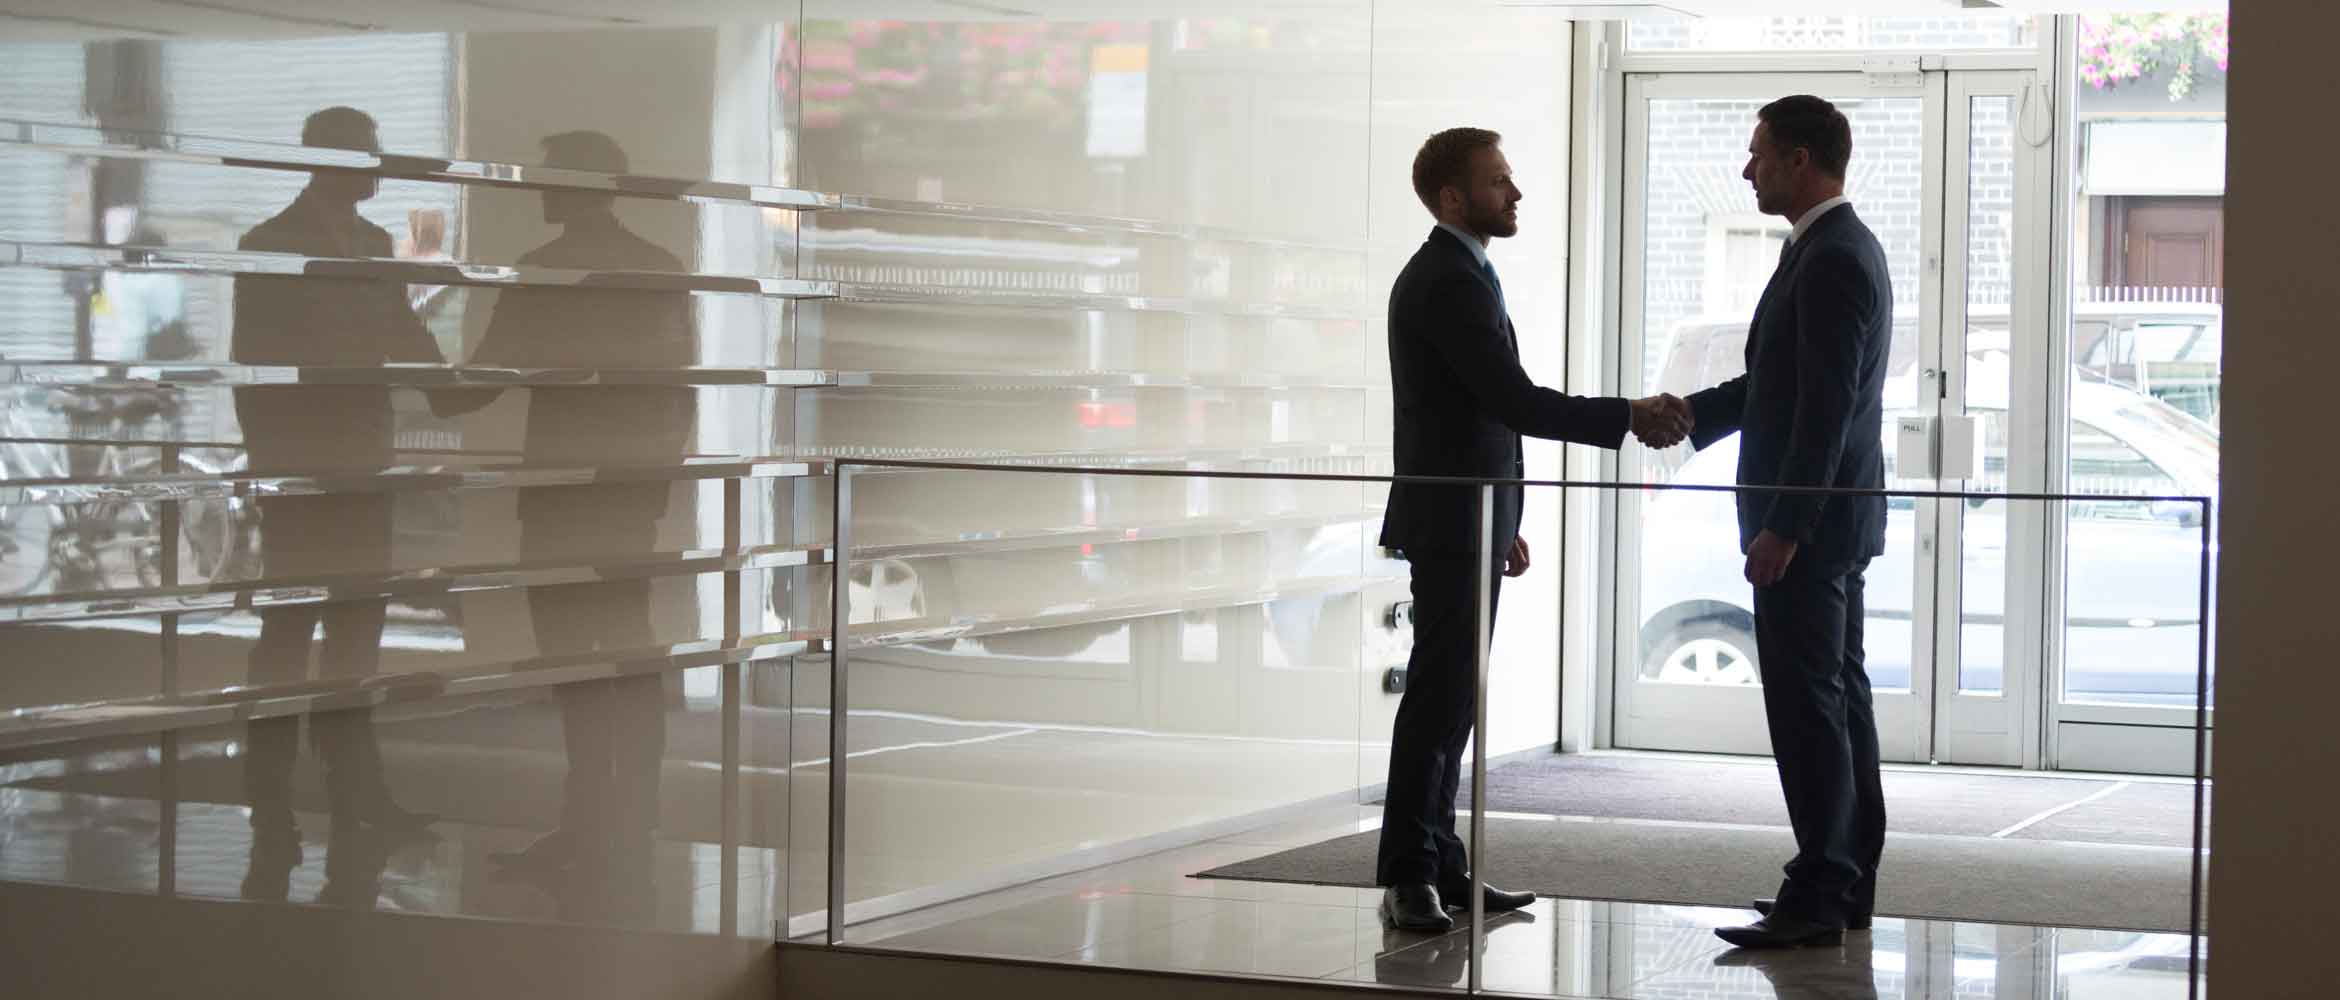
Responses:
[321,318]
[1810,409]
[614,729]
[1461,403]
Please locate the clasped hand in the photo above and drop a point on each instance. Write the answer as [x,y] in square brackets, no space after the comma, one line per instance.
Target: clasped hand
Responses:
[1661,421]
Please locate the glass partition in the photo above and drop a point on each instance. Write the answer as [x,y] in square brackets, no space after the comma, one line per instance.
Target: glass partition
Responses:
[1144,718]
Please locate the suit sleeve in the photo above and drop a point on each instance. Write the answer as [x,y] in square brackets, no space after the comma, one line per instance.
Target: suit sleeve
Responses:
[1832,302]
[404,338]
[1715,413]
[1471,343]
[491,349]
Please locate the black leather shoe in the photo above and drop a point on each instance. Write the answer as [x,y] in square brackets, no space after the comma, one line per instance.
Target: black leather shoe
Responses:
[1852,921]
[1414,907]
[1458,895]
[1781,932]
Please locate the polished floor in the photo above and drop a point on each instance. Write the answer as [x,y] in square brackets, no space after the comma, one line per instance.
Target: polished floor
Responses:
[1150,914]
[1146,912]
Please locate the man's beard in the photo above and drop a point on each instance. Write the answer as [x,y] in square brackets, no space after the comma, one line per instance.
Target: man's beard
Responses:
[1494,223]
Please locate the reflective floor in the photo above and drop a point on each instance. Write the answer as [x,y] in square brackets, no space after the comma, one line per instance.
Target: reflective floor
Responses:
[1150,914]
[90,823]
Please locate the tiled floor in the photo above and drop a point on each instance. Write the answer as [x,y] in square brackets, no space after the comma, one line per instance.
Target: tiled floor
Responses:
[1148,914]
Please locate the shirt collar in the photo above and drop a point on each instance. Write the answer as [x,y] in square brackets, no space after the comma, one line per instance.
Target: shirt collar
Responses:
[1478,250]
[1804,224]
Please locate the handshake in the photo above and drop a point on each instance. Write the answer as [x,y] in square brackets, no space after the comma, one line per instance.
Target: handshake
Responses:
[1661,421]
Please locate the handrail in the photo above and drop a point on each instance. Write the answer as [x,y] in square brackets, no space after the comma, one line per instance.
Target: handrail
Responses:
[86,141]
[261,263]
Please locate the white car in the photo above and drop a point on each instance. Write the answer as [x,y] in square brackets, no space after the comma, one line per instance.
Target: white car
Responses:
[2132,568]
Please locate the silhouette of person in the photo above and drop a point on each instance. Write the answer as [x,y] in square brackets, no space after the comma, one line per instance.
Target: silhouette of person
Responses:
[614,731]
[306,429]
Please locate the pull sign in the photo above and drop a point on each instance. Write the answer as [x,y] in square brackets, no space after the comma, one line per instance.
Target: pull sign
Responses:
[1947,447]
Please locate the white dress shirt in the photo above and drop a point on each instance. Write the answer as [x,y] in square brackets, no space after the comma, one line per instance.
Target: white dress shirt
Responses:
[1796,232]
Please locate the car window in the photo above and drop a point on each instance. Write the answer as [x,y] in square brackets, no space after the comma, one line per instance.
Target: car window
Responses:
[2095,346]
[2104,465]
[2176,342]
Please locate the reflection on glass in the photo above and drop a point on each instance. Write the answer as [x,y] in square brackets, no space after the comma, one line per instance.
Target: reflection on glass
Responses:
[1844,972]
[1707,255]
[2129,965]
[302,429]
[613,731]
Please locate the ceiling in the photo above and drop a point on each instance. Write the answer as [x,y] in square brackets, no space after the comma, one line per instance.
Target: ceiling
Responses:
[74,20]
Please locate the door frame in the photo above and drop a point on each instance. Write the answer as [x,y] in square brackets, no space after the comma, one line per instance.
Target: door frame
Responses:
[2004,728]
[1933,720]
[1730,720]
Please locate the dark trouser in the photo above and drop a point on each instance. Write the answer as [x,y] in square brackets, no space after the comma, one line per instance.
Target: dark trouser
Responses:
[301,536]
[1824,736]
[1418,842]
[613,729]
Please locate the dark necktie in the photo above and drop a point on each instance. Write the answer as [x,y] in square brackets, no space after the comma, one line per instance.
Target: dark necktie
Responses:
[1488,268]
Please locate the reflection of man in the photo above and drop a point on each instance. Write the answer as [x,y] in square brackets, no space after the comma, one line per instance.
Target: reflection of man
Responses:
[615,730]
[1847,973]
[1811,411]
[302,430]
[1405,960]
[1462,402]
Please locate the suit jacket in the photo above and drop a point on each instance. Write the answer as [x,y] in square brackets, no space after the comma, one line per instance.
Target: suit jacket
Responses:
[590,327]
[1811,407]
[323,316]
[1462,401]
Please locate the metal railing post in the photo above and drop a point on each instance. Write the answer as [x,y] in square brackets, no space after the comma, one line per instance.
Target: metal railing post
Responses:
[840,613]
[2201,757]
[1483,627]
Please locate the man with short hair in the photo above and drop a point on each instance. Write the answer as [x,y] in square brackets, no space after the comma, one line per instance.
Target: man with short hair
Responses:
[1810,411]
[1461,404]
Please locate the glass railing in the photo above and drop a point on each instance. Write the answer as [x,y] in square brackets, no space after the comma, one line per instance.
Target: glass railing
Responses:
[1144,718]
[1127,714]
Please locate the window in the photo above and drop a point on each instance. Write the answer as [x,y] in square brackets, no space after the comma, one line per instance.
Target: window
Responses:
[1743,251]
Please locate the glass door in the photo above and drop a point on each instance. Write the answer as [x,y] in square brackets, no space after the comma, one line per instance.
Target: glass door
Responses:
[1993,412]
[1940,161]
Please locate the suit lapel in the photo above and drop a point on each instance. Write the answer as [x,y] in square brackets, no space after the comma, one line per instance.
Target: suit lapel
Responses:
[1782,276]
[1470,262]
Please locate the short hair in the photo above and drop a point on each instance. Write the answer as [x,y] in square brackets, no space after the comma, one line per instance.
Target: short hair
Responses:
[341,127]
[1445,159]
[1807,122]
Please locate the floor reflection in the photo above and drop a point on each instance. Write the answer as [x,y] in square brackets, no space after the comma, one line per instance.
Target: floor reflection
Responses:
[1150,914]
[114,818]
[552,806]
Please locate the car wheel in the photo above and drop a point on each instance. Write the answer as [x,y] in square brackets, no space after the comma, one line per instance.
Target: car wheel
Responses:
[1706,651]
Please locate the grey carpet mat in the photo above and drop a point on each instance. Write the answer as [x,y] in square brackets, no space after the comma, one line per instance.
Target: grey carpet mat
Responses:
[1969,879]
[2143,813]
[1945,802]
